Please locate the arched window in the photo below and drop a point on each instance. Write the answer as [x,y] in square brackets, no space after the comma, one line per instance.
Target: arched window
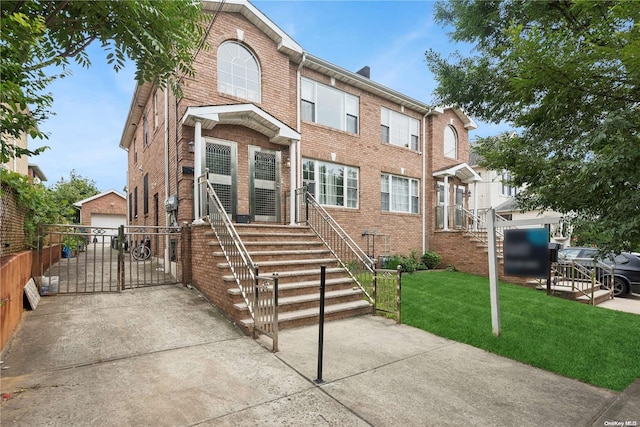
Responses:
[450,142]
[238,72]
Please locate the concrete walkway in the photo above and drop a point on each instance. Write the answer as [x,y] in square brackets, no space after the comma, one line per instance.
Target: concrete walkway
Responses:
[163,356]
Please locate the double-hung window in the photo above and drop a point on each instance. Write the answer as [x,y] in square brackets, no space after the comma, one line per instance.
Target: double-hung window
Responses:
[399,129]
[399,194]
[332,184]
[329,106]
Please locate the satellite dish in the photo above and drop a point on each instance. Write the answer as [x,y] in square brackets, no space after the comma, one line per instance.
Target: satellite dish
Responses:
[36,180]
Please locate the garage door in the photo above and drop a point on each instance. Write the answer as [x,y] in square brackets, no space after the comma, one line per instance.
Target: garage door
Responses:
[108,221]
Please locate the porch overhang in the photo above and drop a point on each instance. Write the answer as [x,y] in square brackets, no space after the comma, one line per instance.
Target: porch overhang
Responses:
[462,171]
[247,115]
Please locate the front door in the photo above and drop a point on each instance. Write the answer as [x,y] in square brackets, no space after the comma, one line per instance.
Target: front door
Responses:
[222,165]
[264,184]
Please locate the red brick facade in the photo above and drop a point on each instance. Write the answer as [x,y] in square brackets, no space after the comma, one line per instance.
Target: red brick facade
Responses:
[165,154]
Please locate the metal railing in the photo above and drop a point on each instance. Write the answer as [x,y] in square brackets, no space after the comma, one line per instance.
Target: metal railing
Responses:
[583,275]
[350,256]
[238,258]
[265,308]
[387,292]
[460,218]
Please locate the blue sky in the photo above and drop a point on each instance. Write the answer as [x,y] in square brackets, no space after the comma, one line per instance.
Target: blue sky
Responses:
[389,36]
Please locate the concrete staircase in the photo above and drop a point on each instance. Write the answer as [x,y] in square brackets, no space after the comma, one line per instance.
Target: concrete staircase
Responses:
[296,254]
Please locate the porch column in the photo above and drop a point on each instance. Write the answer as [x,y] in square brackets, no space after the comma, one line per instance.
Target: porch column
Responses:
[475,205]
[197,170]
[446,203]
[293,173]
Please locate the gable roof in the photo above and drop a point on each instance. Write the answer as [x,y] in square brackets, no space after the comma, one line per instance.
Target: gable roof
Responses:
[247,114]
[462,171]
[298,55]
[97,196]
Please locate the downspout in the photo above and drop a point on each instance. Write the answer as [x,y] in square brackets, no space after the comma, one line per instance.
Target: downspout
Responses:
[296,150]
[177,151]
[167,259]
[424,182]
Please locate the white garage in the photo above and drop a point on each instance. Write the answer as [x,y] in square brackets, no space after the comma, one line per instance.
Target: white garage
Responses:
[106,210]
[107,221]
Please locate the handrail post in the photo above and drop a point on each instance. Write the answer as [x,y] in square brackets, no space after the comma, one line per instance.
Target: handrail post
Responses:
[593,282]
[399,295]
[375,289]
[256,289]
[323,270]
[306,205]
[274,339]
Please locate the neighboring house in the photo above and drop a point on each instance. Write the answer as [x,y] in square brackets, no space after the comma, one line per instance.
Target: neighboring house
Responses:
[35,174]
[495,191]
[105,210]
[19,164]
[262,118]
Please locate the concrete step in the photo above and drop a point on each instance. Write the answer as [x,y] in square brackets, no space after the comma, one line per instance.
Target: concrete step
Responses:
[306,301]
[300,275]
[310,316]
[599,296]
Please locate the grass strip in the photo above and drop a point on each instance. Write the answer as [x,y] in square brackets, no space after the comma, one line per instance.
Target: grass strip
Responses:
[591,344]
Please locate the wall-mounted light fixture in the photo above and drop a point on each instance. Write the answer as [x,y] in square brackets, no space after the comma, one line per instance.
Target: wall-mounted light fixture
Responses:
[192,147]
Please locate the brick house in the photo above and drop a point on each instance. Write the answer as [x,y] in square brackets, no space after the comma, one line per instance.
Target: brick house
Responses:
[263,117]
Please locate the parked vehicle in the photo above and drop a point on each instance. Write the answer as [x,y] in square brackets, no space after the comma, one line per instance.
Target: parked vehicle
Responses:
[626,267]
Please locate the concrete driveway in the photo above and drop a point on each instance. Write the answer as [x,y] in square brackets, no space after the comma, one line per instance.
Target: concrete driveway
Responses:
[163,356]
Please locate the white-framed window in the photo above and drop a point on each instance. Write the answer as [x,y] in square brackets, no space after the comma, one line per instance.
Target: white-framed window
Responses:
[450,142]
[332,184]
[399,194]
[238,72]
[507,188]
[399,129]
[329,106]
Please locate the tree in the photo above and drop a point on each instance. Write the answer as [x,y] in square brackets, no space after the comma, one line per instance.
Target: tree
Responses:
[66,193]
[39,38]
[566,75]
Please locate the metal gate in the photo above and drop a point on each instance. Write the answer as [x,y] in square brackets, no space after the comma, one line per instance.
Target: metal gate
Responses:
[91,260]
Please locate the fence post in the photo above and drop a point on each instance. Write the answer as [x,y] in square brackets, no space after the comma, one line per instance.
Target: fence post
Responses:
[121,258]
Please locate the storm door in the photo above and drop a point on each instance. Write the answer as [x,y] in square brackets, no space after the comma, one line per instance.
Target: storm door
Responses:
[222,165]
[458,215]
[264,184]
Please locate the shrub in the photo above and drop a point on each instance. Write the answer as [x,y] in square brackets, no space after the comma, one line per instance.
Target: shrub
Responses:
[431,259]
[409,264]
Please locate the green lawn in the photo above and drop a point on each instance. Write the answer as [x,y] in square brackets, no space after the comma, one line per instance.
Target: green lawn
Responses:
[591,344]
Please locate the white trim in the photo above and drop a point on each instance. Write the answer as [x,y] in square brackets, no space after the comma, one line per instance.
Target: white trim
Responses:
[462,171]
[97,196]
[247,115]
